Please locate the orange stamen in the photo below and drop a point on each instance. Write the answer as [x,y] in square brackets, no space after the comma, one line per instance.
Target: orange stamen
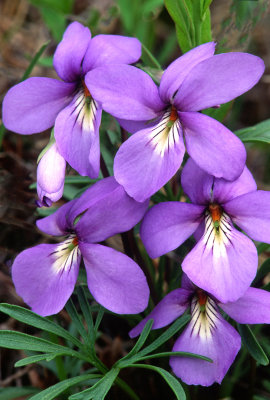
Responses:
[173,115]
[75,241]
[215,211]
[85,90]
[202,297]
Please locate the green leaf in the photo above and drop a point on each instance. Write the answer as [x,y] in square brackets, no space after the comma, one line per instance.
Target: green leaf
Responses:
[100,389]
[262,247]
[252,344]
[30,318]
[174,328]
[21,341]
[149,59]
[55,390]
[219,113]
[13,393]
[262,271]
[256,133]
[84,304]
[40,357]
[176,354]
[169,378]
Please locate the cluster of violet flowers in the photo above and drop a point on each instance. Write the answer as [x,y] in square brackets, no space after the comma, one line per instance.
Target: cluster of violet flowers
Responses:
[225,210]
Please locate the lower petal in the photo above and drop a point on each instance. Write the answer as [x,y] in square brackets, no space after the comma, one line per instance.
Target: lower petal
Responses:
[45,277]
[212,146]
[224,267]
[149,159]
[77,135]
[114,279]
[222,346]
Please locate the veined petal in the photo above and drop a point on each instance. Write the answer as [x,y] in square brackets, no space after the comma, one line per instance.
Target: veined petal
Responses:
[217,80]
[114,279]
[77,134]
[251,212]
[125,92]
[207,334]
[224,261]
[176,72]
[213,147]
[252,308]
[70,52]
[166,311]
[167,225]
[32,105]
[45,276]
[149,158]
[111,49]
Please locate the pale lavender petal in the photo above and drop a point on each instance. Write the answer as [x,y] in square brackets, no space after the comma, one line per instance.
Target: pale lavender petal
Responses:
[46,199]
[32,105]
[125,92]
[221,345]
[70,52]
[51,171]
[166,311]
[111,49]
[212,146]
[218,80]
[77,135]
[251,212]
[134,126]
[224,191]
[176,72]
[223,264]
[115,280]
[149,159]
[169,224]
[196,183]
[45,278]
[106,210]
[57,223]
[252,308]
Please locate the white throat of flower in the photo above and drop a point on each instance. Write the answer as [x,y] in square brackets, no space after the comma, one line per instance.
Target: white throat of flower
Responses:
[85,109]
[65,254]
[166,134]
[218,231]
[204,316]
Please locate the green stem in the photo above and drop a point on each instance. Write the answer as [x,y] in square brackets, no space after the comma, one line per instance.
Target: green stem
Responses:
[153,59]
[61,372]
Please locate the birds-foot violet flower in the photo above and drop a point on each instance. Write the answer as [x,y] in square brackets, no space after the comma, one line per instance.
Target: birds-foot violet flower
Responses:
[50,176]
[224,261]
[36,104]
[167,116]
[208,333]
[45,275]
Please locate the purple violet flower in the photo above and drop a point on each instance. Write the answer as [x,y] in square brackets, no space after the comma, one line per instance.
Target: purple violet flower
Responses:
[50,177]
[207,333]
[36,104]
[224,261]
[167,116]
[45,275]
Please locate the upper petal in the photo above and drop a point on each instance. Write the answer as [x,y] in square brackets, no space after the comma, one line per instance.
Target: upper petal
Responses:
[169,224]
[166,311]
[212,146]
[251,212]
[70,52]
[211,336]
[218,79]
[149,159]
[45,276]
[111,49]
[125,92]
[77,135]
[225,263]
[56,224]
[32,105]
[176,72]
[114,279]
[106,210]
[252,308]
[197,183]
